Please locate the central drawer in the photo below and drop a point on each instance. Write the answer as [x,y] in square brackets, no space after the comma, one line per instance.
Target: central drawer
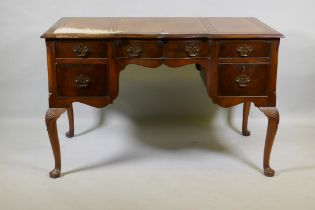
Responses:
[187,49]
[162,49]
[76,80]
[138,49]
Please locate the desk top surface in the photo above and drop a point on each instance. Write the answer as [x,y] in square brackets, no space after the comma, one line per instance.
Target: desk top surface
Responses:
[160,27]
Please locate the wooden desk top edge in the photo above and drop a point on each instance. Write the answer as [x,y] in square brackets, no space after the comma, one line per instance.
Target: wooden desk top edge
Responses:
[160,27]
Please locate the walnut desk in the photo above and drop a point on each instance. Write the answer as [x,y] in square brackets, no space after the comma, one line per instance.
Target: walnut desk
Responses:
[236,57]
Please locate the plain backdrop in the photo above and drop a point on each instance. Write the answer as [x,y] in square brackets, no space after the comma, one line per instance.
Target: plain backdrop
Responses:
[163,144]
[23,79]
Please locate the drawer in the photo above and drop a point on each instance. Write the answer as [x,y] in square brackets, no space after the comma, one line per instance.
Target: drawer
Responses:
[82,79]
[81,49]
[243,79]
[139,49]
[187,49]
[244,49]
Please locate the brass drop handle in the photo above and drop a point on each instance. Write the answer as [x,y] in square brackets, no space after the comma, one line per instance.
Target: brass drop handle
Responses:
[134,50]
[82,81]
[80,50]
[192,49]
[244,50]
[242,80]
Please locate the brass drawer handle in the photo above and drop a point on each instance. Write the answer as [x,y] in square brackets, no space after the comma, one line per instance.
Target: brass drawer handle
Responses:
[244,50]
[192,49]
[242,79]
[134,50]
[80,50]
[82,81]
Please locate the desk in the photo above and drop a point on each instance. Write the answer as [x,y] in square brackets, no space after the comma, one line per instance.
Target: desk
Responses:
[237,59]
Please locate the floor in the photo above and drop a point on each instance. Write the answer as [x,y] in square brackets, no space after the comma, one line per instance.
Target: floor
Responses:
[165,163]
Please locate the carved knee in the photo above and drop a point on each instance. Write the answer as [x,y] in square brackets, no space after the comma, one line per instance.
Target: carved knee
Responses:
[271,113]
[53,114]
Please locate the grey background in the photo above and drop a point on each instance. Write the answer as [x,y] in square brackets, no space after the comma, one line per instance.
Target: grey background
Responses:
[23,80]
[162,144]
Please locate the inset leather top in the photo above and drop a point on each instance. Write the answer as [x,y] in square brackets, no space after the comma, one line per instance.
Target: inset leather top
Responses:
[161,27]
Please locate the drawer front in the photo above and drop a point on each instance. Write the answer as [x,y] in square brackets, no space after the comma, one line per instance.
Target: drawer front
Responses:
[81,49]
[243,79]
[82,80]
[244,49]
[187,49]
[139,49]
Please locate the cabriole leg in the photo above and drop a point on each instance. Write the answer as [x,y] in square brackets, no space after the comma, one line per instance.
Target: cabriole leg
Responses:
[273,120]
[51,117]
[70,133]
[246,108]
